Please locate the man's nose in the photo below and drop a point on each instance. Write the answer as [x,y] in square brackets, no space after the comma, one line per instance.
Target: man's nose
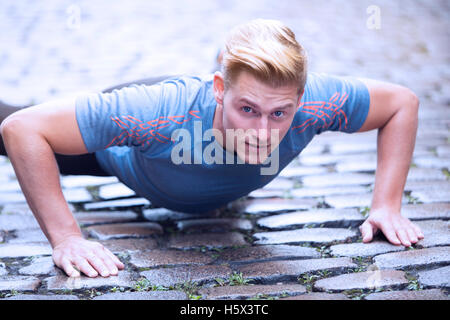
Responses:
[264,131]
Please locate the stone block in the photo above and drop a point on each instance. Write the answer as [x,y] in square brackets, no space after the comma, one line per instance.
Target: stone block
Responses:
[213,225]
[276,271]
[330,217]
[439,277]
[364,249]
[318,296]
[40,266]
[258,206]
[413,258]
[315,235]
[116,190]
[19,283]
[432,294]
[25,250]
[310,192]
[116,204]
[144,295]
[124,230]
[378,279]
[103,217]
[63,282]
[157,258]
[208,240]
[249,291]
[180,275]
[338,179]
[267,253]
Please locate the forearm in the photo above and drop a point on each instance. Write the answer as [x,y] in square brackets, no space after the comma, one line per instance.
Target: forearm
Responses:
[395,147]
[37,171]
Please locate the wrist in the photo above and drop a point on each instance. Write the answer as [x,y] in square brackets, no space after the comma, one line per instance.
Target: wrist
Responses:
[57,240]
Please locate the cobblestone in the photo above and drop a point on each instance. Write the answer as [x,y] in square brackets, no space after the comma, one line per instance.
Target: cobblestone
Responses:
[414,258]
[258,206]
[180,275]
[43,297]
[124,230]
[340,218]
[219,225]
[338,179]
[251,291]
[117,190]
[208,240]
[317,235]
[363,280]
[19,283]
[330,191]
[439,277]
[265,253]
[40,266]
[432,294]
[146,295]
[102,217]
[25,250]
[364,249]
[62,282]
[318,296]
[157,258]
[276,271]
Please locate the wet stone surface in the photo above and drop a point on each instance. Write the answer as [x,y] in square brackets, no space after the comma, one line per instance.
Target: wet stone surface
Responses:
[363,280]
[313,235]
[414,258]
[296,238]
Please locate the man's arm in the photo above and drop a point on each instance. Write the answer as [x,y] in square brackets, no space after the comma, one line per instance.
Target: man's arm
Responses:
[394,112]
[31,137]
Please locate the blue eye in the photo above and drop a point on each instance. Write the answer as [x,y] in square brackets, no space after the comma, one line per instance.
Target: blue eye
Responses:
[246,109]
[278,114]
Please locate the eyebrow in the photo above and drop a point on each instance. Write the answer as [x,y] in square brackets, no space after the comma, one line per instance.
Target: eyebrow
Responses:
[255,105]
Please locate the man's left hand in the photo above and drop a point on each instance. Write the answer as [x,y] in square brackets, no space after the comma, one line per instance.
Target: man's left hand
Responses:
[397,229]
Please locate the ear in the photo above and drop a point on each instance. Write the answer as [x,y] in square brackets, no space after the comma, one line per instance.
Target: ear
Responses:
[219,87]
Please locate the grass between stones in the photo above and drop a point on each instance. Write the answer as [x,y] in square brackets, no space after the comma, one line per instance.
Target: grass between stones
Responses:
[446,173]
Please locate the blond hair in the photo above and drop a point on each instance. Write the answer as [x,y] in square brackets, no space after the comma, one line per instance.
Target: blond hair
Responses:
[268,50]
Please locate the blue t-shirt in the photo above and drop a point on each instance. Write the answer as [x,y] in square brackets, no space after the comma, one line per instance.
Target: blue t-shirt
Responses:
[130,130]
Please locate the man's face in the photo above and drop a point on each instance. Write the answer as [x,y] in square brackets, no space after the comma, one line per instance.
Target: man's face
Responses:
[262,112]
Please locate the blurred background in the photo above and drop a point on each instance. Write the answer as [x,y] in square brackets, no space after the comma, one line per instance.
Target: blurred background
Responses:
[54,48]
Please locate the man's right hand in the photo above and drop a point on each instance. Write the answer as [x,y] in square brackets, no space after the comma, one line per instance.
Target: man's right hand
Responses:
[76,254]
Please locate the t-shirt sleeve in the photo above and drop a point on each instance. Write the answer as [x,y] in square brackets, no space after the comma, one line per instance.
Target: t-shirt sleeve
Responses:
[343,104]
[123,117]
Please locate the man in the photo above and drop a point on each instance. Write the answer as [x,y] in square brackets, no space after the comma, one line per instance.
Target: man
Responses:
[138,133]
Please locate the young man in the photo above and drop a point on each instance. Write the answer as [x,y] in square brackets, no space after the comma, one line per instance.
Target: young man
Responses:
[139,133]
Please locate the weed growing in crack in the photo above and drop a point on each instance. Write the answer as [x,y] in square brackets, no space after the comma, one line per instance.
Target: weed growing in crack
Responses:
[190,288]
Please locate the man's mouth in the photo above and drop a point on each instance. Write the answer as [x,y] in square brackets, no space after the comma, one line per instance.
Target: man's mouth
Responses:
[266,146]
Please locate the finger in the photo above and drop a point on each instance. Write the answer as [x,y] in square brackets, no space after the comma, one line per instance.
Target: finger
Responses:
[114,258]
[68,268]
[98,264]
[403,236]
[366,232]
[411,235]
[418,231]
[83,265]
[390,235]
[112,269]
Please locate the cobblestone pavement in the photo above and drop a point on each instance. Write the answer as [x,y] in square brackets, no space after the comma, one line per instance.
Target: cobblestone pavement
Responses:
[298,237]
